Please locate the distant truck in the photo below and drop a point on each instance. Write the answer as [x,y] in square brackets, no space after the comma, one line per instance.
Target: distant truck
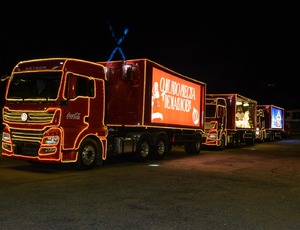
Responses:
[230,120]
[270,123]
[62,110]
[292,122]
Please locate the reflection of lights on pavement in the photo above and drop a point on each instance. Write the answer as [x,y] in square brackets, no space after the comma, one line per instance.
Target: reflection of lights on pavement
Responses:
[153,165]
[253,149]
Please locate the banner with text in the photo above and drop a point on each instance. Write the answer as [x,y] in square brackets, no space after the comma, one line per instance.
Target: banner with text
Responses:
[174,100]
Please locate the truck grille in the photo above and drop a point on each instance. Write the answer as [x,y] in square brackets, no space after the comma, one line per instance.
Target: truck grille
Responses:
[26,149]
[26,142]
[27,135]
[33,117]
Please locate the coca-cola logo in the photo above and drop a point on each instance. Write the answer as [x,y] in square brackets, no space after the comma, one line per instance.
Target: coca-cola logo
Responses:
[73,116]
[195,116]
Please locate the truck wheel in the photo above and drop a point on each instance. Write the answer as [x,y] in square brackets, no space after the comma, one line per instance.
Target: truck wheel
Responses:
[263,137]
[272,137]
[234,142]
[222,144]
[194,147]
[87,154]
[250,141]
[161,147]
[143,149]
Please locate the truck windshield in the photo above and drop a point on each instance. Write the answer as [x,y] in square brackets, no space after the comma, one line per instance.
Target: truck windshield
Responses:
[33,86]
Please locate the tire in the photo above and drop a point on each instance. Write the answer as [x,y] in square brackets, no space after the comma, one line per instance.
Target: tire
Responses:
[161,147]
[87,154]
[263,139]
[143,151]
[222,145]
[236,141]
[195,146]
[272,137]
[250,141]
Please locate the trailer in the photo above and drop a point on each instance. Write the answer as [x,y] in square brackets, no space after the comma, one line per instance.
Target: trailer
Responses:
[270,123]
[64,110]
[229,121]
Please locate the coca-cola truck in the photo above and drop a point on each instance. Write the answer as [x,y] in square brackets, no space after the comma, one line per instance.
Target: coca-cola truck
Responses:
[64,110]
[229,121]
[270,123]
[3,82]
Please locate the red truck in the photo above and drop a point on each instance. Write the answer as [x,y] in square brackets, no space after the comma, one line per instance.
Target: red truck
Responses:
[230,120]
[3,82]
[64,110]
[270,123]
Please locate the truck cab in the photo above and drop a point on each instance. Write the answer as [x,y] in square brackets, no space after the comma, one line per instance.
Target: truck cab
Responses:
[216,122]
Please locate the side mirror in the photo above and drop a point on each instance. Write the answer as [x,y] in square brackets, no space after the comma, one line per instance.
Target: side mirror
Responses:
[4,78]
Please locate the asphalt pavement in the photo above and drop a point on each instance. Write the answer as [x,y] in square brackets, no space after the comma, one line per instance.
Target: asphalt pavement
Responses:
[252,187]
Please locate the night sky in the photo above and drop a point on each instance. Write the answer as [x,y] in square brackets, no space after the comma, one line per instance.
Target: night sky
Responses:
[234,47]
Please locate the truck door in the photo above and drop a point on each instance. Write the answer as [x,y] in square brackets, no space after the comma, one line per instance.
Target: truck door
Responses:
[75,114]
[221,117]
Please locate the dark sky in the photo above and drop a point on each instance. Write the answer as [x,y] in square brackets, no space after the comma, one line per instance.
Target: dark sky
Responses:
[234,46]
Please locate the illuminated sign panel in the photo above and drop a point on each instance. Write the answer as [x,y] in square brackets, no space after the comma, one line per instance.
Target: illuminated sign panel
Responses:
[277,118]
[174,100]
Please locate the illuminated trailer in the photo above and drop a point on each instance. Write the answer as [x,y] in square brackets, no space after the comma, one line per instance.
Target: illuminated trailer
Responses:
[270,123]
[62,110]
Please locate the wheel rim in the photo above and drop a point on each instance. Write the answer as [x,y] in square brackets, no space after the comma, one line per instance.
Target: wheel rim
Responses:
[88,155]
[161,148]
[145,149]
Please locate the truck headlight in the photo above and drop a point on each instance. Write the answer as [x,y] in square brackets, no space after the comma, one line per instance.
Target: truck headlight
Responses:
[6,137]
[257,131]
[213,135]
[51,140]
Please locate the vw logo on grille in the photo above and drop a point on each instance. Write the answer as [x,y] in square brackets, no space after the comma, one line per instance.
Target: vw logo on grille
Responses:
[24,117]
